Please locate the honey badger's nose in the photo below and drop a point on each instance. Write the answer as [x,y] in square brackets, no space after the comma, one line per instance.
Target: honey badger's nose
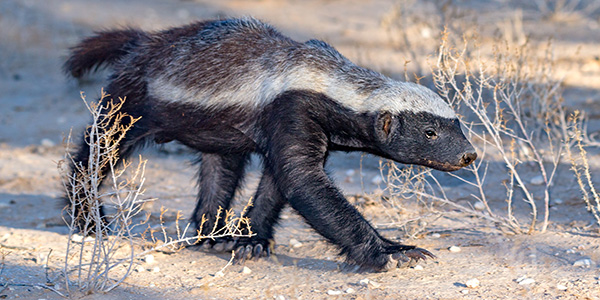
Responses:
[468,158]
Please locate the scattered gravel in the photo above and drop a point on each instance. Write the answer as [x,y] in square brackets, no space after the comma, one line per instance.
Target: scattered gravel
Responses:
[479,206]
[377,180]
[525,280]
[149,259]
[454,249]
[537,180]
[584,263]
[47,143]
[472,283]
[295,243]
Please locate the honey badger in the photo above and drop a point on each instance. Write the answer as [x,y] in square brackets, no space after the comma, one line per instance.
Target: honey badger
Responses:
[230,88]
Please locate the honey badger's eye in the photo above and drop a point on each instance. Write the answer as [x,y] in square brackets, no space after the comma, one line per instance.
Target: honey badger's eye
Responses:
[430,134]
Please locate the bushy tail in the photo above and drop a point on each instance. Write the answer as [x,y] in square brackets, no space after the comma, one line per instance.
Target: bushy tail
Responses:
[104,48]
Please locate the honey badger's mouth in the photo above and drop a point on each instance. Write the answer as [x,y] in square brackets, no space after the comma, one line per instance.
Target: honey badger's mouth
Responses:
[441,166]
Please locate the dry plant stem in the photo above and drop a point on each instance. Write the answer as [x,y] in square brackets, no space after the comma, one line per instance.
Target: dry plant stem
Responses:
[510,81]
[113,240]
[582,166]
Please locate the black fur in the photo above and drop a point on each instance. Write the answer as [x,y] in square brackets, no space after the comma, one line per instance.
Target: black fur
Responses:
[293,133]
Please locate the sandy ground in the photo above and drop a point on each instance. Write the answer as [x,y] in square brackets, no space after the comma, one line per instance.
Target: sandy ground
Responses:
[38,107]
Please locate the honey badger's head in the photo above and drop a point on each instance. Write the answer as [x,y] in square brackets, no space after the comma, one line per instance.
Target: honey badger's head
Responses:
[422,130]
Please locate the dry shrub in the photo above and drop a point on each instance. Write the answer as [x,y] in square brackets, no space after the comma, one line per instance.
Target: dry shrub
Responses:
[98,244]
[512,109]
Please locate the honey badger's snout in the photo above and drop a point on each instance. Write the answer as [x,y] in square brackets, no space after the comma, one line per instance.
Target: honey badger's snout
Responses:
[468,158]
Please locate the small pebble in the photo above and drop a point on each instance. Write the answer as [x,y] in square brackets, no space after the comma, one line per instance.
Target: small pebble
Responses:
[526,281]
[436,235]
[472,283]
[586,263]
[350,172]
[465,291]
[219,274]
[479,206]
[377,180]
[350,291]
[295,243]
[570,251]
[454,249]
[156,269]
[140,269]
[561,287]
[557,201]
[418,267]
[77,238]
[47,143]
[364,282]
[537,180]
[334,293]
[532,255]
[149,259]
[246,270]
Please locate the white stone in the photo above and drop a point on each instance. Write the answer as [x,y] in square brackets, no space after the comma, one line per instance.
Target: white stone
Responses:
[586,263]
[479,206]
[350,172]
[246,270]
[156,269]
[454,249]
[465,291]
[472,283]
[295,243]
[418,267]
[77,238]
[334,293]
[149,259]
[364,282]
[561,287]
[377,180]
[436,235]
[537,180]
[350,291]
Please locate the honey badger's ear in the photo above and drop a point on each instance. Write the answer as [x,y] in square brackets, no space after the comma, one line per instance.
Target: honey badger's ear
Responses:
[384,123]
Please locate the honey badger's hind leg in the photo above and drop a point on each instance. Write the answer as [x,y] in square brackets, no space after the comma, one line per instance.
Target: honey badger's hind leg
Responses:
[219,177]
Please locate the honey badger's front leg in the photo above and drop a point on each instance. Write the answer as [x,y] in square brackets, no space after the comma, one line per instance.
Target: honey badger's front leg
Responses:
[296,145]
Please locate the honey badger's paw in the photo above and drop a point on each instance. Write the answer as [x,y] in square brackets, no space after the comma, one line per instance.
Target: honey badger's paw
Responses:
[245,248]
[401,256]
[253,248]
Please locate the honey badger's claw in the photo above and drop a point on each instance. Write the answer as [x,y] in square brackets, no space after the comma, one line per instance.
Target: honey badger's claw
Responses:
[407,258]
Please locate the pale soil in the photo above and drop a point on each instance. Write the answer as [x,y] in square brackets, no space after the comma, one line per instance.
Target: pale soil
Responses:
[38,107]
